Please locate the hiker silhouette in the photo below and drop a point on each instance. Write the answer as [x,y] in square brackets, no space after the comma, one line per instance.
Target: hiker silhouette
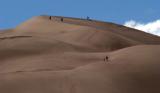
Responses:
[50,18]
[106,58]
[61,19]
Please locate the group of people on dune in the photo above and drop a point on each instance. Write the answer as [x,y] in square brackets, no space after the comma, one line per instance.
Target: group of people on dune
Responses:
[106,59]
[62,19]
[50,18]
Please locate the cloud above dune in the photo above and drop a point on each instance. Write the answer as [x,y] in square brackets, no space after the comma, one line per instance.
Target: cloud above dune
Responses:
[150,27]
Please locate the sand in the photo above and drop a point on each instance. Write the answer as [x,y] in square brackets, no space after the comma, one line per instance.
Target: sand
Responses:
[51,56]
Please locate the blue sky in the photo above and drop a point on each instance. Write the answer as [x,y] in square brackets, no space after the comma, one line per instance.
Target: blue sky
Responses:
[14,12]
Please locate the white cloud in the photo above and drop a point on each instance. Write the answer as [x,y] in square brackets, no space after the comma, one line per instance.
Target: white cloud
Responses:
[151,27]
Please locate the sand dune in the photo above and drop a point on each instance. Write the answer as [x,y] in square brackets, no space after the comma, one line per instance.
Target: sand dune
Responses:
[51,56]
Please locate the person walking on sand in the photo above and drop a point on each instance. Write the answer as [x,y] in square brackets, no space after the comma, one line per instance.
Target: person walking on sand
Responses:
[50,18]
[106,58]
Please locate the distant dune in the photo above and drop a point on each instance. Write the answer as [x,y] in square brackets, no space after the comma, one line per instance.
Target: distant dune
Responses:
[71,55]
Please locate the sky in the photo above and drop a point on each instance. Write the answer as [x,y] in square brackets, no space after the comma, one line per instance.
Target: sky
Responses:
[14,12]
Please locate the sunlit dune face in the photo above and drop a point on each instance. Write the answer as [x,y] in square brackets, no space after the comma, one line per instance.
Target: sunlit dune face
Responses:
[51,54]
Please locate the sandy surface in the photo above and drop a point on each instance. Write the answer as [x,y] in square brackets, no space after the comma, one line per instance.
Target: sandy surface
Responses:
[50,56]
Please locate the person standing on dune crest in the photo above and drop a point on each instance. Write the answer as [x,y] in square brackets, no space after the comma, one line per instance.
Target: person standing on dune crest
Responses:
[88,18]
[50,18]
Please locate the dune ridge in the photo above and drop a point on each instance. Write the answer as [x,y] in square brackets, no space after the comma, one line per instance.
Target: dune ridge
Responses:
[44,55]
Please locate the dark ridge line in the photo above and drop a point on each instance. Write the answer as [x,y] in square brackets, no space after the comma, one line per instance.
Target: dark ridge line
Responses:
[37,70]
[14,37]
[49,69]
[25,71]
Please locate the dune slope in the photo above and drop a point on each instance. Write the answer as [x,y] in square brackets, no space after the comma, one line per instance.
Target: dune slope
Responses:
[44,55]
